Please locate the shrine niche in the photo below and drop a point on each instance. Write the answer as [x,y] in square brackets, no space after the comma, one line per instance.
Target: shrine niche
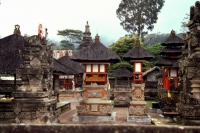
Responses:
[138,110]
[189,107]
[95,58]
[122,93]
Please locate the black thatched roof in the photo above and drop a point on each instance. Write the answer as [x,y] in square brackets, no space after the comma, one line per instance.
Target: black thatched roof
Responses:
[66,61]
[96,52]
[166,61]
[169,50]
[121,72]
[151,70]
[9,53]
[138,53]
[10,58]
[59,68]
[173,40]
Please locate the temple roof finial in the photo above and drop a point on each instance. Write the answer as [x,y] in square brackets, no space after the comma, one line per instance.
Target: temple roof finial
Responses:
[97,38]
[87,27]
[137,43]
[172,33]
[17,30]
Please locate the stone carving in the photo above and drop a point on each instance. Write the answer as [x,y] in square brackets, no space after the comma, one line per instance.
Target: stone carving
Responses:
[17,109]
[77,95]
[189,107]
[94,93]
[7,115]
[35,63]
[83,110]
[94,107]
[105,97]
[106,109]
[138,110]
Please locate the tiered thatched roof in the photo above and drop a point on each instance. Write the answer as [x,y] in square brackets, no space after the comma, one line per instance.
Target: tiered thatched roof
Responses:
[169,50]
[166,61]
[67,62]
[176,65]
[96,52]
[138,53]
[173,40]
[121,72]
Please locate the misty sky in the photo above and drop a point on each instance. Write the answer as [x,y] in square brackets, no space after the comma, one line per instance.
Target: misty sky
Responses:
[72,14]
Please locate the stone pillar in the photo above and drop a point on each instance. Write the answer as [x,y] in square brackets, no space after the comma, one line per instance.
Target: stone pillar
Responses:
[138,110]
[56,86]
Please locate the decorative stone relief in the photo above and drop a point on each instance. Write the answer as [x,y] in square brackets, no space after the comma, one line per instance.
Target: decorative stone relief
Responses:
[35,63]
[106,109]
[94,107]
[17,109]
[83,110]
[138,110]
[7,115]
[94,93]
[105,97]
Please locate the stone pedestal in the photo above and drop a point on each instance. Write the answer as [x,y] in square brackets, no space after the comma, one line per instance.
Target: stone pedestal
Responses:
[70,95]
[110,118]
[138,109]
[95,104]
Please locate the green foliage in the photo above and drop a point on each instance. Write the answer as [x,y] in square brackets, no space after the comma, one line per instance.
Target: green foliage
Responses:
[184,23]
[123,45]
[137,15]
[113,67]
[66,45]
[154,49]
[71,36]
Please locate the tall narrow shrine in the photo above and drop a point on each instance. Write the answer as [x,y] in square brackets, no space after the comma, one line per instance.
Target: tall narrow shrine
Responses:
[95,105]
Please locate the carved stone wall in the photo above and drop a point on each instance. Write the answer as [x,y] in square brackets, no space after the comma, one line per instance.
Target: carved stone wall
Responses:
[189,64]
[33,101]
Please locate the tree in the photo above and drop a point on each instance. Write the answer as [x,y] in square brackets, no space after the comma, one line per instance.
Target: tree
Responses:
[184,23]
[135,15]
[121,47]
[71,36]
[154,49]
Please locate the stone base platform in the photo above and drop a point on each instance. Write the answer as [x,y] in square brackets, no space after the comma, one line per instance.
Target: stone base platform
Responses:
[111,118]
[63,107]
[143,119]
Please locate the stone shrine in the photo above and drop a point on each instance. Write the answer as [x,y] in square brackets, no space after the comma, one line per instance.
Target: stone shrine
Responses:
[95,105]
[122,93]
[33,101]
[137,111]
[189,64]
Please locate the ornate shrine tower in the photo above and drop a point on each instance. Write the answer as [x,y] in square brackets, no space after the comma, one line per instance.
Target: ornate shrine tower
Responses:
[138,109]
[189,64]
[33,101]
[96,104]
[169,58]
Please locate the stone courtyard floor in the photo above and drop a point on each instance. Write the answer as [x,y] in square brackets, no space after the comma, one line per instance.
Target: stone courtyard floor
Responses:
[66,117]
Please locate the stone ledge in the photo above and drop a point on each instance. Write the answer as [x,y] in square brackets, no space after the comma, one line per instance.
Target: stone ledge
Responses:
[95,128]
[111,118]
[143,119]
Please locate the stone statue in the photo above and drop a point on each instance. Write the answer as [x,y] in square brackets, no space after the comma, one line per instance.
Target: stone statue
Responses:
[40,33]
